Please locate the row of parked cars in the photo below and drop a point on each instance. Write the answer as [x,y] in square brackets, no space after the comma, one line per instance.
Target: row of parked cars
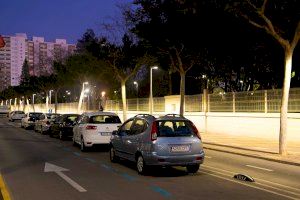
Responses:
[169,140]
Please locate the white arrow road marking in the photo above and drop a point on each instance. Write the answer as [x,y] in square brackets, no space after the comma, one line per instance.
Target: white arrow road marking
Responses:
[59,171]
[265,169]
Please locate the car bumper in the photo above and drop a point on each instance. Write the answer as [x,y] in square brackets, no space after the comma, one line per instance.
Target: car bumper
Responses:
[94,140]
[179,160]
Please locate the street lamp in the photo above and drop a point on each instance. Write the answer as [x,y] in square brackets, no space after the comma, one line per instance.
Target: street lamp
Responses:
[137,95]
[151,94]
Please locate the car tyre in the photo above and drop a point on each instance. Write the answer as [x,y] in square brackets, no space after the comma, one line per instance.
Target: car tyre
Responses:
[193,168]
[112,155]
[140,165]
[82,146]
[60,135]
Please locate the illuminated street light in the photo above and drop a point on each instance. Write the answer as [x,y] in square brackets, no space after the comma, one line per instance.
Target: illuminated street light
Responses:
[103,93]
[151,94]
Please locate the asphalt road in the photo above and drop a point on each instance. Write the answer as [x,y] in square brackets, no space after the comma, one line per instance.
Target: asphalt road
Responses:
[90,175]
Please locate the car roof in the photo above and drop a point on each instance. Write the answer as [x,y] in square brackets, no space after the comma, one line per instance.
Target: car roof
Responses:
[99,113]
[172,117]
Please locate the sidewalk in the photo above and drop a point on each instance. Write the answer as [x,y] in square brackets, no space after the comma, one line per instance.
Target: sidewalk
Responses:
[254,147]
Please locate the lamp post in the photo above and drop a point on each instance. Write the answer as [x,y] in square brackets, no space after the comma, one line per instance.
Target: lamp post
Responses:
[137,95]
[151,94]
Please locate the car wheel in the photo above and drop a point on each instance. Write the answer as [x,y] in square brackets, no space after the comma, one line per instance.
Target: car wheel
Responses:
[140,165]
[193,168]
[112,155]
[82,146]
[60,135]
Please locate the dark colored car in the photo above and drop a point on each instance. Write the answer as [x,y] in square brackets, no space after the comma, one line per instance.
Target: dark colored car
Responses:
[62,127]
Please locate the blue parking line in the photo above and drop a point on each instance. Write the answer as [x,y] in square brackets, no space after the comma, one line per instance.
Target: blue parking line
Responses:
[76,154]
[67,149]
[161,191]
[91,160]
[128,177]
[109,168]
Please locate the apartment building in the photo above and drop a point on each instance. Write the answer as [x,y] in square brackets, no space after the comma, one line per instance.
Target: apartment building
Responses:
[39,54]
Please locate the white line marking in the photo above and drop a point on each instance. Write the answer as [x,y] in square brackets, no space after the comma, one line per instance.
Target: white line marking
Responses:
[71,182]
[59,171]
[265,169]
[274,183]
[266,190]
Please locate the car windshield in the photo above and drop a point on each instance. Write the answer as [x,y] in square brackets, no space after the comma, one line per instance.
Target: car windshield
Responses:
[172,128]
[104,119]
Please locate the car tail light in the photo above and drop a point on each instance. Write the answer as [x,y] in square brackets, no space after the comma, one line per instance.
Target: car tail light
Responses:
[89,127]
[195,130]
[154,131]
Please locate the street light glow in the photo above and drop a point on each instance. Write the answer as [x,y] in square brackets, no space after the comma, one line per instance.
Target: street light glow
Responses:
[154,67]
[87,90]
[103,93]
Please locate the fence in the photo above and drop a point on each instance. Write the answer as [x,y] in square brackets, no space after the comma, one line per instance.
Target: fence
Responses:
[261,101]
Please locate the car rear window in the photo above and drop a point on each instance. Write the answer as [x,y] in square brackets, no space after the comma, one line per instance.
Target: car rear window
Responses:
[104,119]
[19,112]
[172,128]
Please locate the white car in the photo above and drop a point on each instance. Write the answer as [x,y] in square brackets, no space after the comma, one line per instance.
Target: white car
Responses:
[16,115]
[29,120]
[95,128]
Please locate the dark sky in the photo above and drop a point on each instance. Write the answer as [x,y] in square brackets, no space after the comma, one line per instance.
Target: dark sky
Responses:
[56,18]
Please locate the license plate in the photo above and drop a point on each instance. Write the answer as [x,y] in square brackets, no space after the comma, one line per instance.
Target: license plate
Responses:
[105,133]
[180,148]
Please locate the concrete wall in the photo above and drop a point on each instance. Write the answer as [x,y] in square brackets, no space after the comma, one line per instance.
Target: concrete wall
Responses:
[258,125]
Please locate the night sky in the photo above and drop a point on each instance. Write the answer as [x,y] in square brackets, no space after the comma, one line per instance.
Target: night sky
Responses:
[53,19]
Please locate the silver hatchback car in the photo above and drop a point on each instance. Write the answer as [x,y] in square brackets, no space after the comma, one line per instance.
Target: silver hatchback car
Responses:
[170,140]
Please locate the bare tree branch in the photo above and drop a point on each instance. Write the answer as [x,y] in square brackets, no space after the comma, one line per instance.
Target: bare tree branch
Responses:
[252,5]
[263,7]
[296,36]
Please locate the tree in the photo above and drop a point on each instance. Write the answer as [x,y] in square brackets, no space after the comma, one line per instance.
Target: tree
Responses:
[124,61]
[169,27]
[25,72]
[82,68]
[263,15]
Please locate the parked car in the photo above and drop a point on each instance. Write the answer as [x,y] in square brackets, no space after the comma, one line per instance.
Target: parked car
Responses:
[170,140]
[16,115]
[29,119]
[62,127]
[4,110]
[95,128]
[43,124]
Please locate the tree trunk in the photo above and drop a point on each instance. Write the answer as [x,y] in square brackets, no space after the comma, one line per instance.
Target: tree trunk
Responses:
[47,102]
[55,94]
[123,87]
[288,54]
[182,92]
[80,100]
[170,82]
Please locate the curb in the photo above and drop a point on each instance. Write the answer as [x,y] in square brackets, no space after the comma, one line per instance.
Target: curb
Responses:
[247,154]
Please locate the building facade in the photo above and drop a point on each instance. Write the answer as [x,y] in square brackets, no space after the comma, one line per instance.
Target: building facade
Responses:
[39,54]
